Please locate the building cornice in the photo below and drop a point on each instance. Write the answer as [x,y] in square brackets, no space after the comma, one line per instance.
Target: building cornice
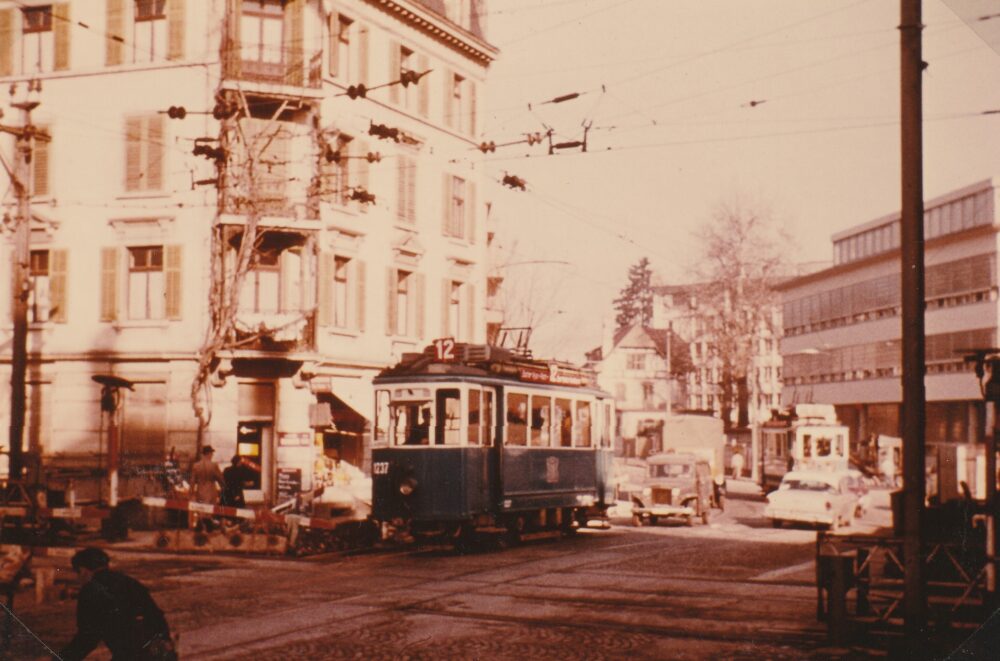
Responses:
[440,29]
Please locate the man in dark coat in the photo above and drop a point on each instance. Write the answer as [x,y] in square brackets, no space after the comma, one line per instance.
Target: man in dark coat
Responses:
[237,477]
[116,609]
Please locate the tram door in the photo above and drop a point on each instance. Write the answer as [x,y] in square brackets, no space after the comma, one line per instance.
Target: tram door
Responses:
[482,471]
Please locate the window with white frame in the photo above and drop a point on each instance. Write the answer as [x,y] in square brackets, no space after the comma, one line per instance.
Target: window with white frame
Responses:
[149,42]
[261,290]
[261,34]
[454,309]
[636,361]
[338,171]
[38,41]
[457,106]
[146,292]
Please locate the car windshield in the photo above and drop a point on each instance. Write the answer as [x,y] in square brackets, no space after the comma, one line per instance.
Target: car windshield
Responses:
[806,485]
[669,470]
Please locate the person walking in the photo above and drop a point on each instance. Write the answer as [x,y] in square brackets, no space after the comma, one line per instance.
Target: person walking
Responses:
[206,478]
[117,610]
[237,477]
[736,463]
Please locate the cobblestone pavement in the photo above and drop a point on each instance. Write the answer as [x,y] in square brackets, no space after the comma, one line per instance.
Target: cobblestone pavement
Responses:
[735,589]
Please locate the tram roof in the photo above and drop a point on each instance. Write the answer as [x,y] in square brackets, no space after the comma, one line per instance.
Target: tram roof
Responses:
[483,361]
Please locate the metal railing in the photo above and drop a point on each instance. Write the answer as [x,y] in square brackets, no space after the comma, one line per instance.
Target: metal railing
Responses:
[280,66]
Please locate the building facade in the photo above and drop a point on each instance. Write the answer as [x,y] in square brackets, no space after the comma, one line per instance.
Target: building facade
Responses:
[842,325]
[320,153]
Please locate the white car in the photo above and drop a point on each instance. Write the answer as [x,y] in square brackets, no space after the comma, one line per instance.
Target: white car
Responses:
[824,498]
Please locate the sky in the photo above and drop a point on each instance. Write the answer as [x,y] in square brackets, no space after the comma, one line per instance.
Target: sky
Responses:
[790,107]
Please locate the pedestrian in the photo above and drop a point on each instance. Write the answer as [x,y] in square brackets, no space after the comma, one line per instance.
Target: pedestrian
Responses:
[117,610]
[237,477]
[206,478]
[736,463]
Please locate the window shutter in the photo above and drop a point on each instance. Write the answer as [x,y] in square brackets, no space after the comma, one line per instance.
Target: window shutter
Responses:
[175,27]
[40,167]
[424,88]
[333,43]
[154,152]
[114,27]
[109,284]
[359,296]
[390,312]
[445,298]
[362,55]
[60,33]
[446,109]
[470,300]
[324,290]
[231,45]
[471,210]
[420,306]
[6,42]
[172,264]
[446,204]
[293,39]
[57,286]
[395,68]
[133,153]
[471,87]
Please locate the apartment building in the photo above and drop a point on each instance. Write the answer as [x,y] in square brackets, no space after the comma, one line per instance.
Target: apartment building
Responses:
[322,153]
[842,325]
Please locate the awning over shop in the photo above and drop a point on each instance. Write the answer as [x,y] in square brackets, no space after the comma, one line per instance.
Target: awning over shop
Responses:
[355,392]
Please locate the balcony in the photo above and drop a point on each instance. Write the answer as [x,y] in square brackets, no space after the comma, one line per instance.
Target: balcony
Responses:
[286,332]
[274,66]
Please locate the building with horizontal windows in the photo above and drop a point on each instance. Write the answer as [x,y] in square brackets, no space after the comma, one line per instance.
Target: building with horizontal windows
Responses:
[842,325]
[320,153]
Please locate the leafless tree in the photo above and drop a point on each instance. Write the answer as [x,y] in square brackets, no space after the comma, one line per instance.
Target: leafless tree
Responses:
[743,254]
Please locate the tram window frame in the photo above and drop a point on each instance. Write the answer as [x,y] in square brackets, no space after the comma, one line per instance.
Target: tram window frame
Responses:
[582,430]
[488,418]
[474,411]
[540,432]
[443,419]
[517,419]
[824,443]
[383,418]
[606,433]
[806,446]
[562,409]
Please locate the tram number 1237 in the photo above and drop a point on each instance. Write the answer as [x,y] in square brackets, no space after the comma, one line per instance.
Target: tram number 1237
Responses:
[380,468]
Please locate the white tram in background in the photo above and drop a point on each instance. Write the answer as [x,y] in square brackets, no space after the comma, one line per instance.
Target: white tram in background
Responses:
[803,437]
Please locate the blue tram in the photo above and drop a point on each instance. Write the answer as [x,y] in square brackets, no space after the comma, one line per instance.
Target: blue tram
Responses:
[474,439]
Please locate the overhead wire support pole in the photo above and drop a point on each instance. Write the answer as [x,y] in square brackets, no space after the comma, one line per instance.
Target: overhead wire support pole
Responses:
[913,363]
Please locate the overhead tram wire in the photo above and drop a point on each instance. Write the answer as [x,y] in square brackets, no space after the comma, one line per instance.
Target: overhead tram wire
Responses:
[557,26]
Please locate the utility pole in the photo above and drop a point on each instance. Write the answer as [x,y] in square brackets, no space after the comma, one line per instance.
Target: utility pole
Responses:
[25,136]
[912,262]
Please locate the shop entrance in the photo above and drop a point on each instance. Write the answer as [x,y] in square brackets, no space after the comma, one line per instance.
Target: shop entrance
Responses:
[255,436]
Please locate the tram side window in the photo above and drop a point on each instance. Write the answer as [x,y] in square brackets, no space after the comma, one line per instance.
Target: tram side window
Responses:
[474,416]
[540,414]
[448,417]
[517,419]
[806,445]
[564,422]
[487,419]
[582,429]
[840,445]
[381,416]
[606,435]
[822,447]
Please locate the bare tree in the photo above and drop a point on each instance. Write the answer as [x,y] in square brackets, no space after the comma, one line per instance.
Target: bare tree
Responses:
[528,296]
[742,256]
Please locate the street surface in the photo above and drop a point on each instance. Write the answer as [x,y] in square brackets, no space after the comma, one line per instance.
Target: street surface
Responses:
[733,589]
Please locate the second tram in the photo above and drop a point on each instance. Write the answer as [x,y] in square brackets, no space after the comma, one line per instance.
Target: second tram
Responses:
[806,437]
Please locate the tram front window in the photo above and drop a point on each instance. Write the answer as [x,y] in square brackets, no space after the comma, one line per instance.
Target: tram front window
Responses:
[448,423]
[411,423]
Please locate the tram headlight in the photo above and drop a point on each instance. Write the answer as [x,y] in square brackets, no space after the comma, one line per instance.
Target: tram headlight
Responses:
[407,486]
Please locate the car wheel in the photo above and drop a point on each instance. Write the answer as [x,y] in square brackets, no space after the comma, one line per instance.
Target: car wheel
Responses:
[689,521]
[653,520]
[636,520]
[776,523]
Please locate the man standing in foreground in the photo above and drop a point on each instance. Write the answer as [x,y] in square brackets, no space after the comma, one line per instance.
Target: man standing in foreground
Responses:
[116,609]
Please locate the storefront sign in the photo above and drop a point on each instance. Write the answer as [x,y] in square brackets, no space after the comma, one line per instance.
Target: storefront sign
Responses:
[289,484]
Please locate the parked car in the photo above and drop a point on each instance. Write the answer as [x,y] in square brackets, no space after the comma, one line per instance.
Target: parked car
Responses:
[677,485]
[826,498]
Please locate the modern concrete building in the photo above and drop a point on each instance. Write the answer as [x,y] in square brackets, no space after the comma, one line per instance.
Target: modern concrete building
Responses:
[842,325]
[181,128]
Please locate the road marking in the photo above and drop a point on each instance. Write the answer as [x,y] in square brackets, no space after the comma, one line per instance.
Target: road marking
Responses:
[778,573]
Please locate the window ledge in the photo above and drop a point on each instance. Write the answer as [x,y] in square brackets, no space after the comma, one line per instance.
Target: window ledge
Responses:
[140,323]
[144,195]
[343,332]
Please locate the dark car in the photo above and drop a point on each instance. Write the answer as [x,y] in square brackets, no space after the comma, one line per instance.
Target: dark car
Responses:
[676,486]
